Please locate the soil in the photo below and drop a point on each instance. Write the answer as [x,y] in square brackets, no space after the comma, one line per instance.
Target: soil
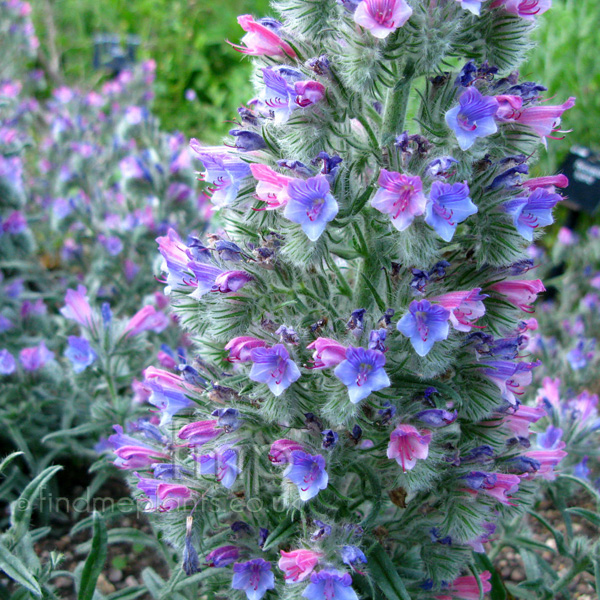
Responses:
[510,565]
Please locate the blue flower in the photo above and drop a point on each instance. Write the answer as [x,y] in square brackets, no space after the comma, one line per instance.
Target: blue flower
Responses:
[311,205]
[362,372]
[473,117]
[274,367]
[581,469]
[308,473]
[531,212]
[448,206]
[352,555]
[329,585]
[254,577]
[80,353]
[222,463]
[424,324]
[7,362]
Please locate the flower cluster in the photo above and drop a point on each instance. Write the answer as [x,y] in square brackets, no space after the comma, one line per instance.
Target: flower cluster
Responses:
[362,319]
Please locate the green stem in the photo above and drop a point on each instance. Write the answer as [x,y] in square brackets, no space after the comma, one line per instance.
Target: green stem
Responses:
[564,581]
[396,105]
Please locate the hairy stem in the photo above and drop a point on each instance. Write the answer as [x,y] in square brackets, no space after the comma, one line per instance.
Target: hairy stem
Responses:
[395,106]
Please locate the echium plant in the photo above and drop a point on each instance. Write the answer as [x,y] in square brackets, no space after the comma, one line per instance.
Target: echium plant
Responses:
[352,425]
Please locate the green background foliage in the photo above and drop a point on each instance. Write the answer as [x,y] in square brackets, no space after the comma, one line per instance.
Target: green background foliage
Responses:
[186,38]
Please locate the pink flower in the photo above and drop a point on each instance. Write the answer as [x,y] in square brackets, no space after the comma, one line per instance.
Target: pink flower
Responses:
[272,186]
[137,457]
[566,236]
[544,120]
[382,17]
[281,451]
[465,307]
[548,459]
[508,107]
[521,293]
[549,394]
[308,92]
[241,347]
[407,445]
[199,433]
[77,306]
[297,565]
[261,40]
[147,319]
[327,353]
[400,196]
[519,421]
[526,9]
[466,588]
[548,183]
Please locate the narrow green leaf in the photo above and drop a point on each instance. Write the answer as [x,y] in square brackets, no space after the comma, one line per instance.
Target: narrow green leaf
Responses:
[6,461]
[485,564]
[592,517]
[23,507]
[94,563]
[385,575]
[281,533]
[18,572]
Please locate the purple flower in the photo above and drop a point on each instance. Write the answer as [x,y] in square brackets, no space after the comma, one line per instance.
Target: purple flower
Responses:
[330,585]
[382,17]
[581,469]
[549,439]
[531,212]
[440,167]
[5,324]
[308,473]
[80,353]
[15,223]
[36,357]
[583,352]
[247,141]
[400,196]
[448,206]
[311,205]
[274,367]
[224,171]
[168,393]
[7,362]
[77,306]
[212,279]
[436,417]
[222,463]
[473,117]
[362,373]
[222,556]
[254,577]
[511,378]
[424,324]
[112,244]
[352,555]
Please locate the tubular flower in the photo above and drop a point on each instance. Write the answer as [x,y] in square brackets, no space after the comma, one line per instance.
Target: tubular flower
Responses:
[199,433]
[147,319]
[271,187]
[466,588]
[497,485]
[473,6]
[520,292]
[308,473]
[161,496]
[327,353]
[297,565]
[311,205]
[281,451]
[222,463]
[465,307]
[167,393]
[262,38]
[400,196]
[473,117]
[240,348]
[382,17]
[526,9]
[362,373]
[224,171]
[448,205]
[77,307]
[511,378]
[407,445]
[274,367]
[531,212]
[424,324]
[330,585]
[253,577]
